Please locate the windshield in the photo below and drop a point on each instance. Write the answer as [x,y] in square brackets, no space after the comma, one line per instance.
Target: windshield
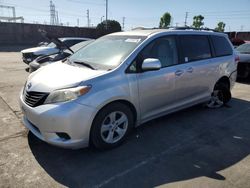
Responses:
[52,45]
[244,48]
[108,51]
[80,45]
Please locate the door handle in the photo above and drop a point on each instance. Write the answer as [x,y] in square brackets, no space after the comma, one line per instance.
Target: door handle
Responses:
[179,72]
[190,69]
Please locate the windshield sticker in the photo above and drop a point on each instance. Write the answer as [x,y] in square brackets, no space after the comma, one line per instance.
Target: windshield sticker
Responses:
[133,40]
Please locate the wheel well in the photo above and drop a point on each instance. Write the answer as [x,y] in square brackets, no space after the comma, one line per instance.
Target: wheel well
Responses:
[127,103]
[225,80]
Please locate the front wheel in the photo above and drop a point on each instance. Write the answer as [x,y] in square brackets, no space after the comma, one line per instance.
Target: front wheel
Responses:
[111,126]
[220,96]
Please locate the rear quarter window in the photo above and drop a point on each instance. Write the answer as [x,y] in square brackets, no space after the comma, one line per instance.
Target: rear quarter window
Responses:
[195,47]
[221,46]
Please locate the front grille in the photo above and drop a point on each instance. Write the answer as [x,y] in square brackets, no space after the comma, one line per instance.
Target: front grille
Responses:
[28,55]
[34,98]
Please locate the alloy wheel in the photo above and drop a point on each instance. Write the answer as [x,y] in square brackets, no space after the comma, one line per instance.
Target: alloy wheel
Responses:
[216,100]
[114,127]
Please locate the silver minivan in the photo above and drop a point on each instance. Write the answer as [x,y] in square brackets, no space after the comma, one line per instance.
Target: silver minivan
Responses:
[124,79]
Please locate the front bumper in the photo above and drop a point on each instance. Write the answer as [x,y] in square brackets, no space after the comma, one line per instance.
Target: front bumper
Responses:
[48,121]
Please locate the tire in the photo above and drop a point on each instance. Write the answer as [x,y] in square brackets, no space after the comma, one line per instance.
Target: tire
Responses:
[111,126]
[220,96]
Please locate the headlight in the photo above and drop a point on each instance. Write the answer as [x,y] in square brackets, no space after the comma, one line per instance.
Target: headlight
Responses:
[66,94]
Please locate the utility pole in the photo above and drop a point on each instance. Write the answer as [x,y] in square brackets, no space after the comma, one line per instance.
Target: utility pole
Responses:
[13,18]
[77,22]
[57,18]
[52,13]
[106,14]
[88,17]
[123,23]
[186,16]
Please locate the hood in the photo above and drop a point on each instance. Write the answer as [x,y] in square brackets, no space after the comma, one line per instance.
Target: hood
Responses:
[42,50]
[58,76]
[244,57]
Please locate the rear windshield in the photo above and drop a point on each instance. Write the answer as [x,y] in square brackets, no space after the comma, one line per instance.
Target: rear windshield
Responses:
[222,46]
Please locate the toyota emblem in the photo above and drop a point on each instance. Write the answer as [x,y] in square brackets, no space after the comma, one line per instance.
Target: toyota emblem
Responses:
[29,85]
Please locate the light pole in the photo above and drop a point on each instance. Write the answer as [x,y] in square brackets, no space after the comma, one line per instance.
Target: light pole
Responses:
[106,14]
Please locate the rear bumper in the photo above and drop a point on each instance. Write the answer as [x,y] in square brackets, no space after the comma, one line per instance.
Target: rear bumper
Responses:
[232,78]
[243,69]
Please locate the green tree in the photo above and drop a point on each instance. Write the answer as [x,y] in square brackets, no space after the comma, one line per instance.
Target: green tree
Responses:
[220,27]
[165,20]
[197,21]
[110,26]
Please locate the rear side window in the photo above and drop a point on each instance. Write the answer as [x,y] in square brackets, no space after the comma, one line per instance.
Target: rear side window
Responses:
[221,46]
[195,47]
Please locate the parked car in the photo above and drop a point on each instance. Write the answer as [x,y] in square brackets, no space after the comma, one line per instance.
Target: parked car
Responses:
[61,55]
[53,47]
[244,62]
[237,42]
[123,80]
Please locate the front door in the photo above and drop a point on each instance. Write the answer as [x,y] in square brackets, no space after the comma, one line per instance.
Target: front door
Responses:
[157,88]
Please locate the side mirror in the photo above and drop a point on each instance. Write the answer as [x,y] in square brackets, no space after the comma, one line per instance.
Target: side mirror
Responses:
[151,64]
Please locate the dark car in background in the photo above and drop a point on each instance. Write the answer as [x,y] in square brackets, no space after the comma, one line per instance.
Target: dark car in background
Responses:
[244,62]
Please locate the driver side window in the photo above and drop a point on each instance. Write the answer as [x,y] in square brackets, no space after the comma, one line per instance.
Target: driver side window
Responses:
[163,49]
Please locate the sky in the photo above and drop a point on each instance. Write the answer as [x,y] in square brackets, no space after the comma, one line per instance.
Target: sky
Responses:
[146,13]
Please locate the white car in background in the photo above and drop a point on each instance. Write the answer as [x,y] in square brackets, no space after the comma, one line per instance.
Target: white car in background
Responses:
[54,47]
[61,55]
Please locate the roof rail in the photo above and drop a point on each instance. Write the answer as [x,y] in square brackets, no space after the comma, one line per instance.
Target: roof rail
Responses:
[192,28]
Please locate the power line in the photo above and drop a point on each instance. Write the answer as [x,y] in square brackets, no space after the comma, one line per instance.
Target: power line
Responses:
[89,3]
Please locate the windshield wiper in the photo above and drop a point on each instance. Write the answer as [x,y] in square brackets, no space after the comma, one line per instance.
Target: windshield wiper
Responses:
[84,64]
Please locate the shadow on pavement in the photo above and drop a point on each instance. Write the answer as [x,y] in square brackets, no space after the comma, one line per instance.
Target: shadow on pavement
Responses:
[184,145]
